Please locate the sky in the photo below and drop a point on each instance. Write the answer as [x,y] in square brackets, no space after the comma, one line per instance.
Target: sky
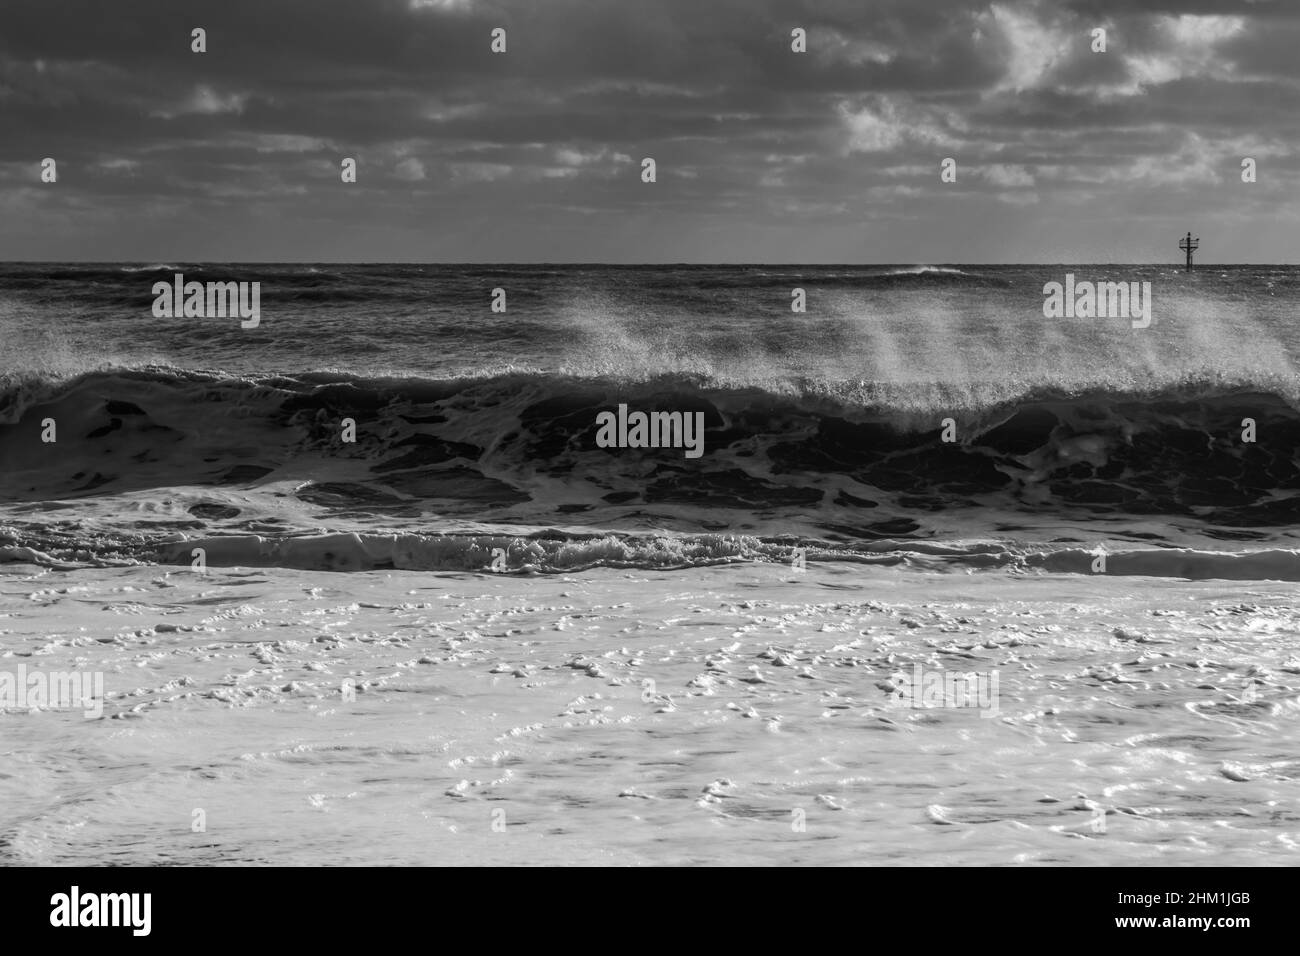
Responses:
[1063,154]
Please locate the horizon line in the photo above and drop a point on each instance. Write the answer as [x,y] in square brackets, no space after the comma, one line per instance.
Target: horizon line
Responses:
[538,262]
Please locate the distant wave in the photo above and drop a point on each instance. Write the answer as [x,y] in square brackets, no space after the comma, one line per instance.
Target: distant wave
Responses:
[922,270]
[902,277]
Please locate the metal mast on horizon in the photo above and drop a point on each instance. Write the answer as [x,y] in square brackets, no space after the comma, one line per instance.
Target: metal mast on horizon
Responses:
[1189,246]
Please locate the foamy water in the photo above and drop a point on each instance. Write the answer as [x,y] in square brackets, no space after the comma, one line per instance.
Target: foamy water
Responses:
[642,718]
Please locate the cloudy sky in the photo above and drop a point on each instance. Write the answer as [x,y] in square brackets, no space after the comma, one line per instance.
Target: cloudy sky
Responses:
[763,154]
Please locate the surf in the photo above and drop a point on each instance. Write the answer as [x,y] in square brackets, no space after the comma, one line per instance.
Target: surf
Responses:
[527,443]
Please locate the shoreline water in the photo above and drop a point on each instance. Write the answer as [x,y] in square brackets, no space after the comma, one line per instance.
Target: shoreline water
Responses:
[642,717]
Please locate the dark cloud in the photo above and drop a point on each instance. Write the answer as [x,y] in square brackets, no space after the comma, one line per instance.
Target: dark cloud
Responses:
[762,154]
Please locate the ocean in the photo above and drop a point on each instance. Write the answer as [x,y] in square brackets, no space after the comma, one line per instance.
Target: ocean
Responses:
[362,575]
